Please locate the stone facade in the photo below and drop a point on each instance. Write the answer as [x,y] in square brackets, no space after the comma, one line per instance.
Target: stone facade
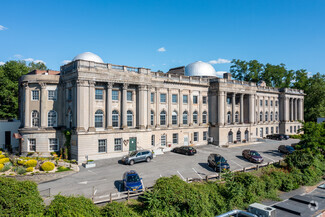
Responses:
[115,109]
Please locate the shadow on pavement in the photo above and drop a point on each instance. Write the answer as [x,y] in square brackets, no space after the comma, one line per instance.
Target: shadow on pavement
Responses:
[205,166]
[119,185]
[273,153]
[242,158]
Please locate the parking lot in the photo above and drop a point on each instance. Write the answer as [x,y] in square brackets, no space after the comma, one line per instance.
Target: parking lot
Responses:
[106,177]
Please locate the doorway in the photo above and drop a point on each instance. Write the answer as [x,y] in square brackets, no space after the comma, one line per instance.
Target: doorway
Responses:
[133,144]
[186,139]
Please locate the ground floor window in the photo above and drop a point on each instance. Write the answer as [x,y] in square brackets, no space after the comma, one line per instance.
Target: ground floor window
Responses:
[261,132]
[54,146]
[196,136]
[118,144]
[295,129]
[272,130]
[163,140]
[266,130]
[277,129]
[32,144]
[246,135]
[238,137]
[175,138]
[290,129]
[230,137]
[256,131]
[205,135]
[153,140]
[102,146]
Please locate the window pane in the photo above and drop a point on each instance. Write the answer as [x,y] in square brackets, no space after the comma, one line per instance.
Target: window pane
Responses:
[115,119]
[162,97]
[114,94]
[185,99]
[152,97]
[174,98]
[32,144]
[99,94]
[53,145]
[194,99]
[196,136]
[102,147]
[51,95]
[175,138]
[204,100]
[129,96]
[35,95]
[118,144]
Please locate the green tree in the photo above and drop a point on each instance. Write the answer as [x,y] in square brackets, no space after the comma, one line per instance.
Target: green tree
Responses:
[39,65]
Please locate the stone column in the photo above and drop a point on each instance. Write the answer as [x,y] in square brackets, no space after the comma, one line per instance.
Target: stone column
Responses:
[124,106]
[296,109]
[233,107]
[81,111]
[302,109]
[251,109]
[157,107]
[148,107]
[258,109]
[141,107]
[291,111]
[263,106]
[221,107]
[200,108]
[109,111]
[226,108]
[269,109]
[274,100]
[180,107]
[169,113]
[286,109]
[43,101]
[91,106]
[190,112]
[242,108]
[26,105]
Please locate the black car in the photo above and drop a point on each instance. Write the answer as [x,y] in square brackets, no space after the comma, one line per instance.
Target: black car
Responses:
[187,150]
[218,163]
[286,137]
[275,137]
[286,149]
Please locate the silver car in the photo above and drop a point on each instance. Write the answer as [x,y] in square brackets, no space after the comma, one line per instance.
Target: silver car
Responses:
[137,156]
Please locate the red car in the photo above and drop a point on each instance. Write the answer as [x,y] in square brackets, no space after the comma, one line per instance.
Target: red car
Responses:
[252,156]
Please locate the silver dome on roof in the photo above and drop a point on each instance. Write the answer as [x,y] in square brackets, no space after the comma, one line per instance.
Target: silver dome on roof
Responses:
[88,56]
[200,68]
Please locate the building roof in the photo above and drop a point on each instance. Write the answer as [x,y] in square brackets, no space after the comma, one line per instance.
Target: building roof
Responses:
[44,72]
[200,68]
[88,56]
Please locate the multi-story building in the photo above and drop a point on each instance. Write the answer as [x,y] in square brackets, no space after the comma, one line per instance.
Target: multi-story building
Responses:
[114,109]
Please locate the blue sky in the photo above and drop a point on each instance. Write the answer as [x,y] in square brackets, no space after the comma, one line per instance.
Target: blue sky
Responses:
[131,32]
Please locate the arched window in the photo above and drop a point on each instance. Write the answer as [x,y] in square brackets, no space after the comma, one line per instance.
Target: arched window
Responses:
[115,118]
[204,117]
[51,119]
[129,117]
[266,116]
[276,116]
[246,135]
[35,118]
[229,117]
[185,118]
[230,137]
[163,118]
[69,119]
[261,116]
[195,117]
[271,116]
[238,136]
[236,117]
[174,118]
[99,118]
[152,118]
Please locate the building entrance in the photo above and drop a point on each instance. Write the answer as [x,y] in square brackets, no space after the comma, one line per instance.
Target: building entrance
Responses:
[133,144]
[185,139]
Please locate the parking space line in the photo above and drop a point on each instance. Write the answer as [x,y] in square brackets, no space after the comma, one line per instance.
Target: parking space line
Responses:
[197,173]
[181,175]
[237,164]
[269,158]
[92,172]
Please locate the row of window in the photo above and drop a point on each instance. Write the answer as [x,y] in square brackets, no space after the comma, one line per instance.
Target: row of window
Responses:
[267,116]
[267,131]
[51,118]
[53,145]
[51,95]
[238,136]
[266,103]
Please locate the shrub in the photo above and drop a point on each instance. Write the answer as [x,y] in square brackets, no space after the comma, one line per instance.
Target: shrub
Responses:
[0,152]
[19,198]
[31,163]
[30,169]
[72,206]
[62,169]
[21,170]
[116,209]
[6,167]
[1,167]
[21,162]
[4,160]
[2,156]
[47,166]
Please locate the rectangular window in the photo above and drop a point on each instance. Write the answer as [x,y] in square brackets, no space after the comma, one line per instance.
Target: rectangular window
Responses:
[69,94]
[266,131]
[295,129]
[115,95]
[99,94]
[276,103]
[185,99]
[271,103]
[272,130]
[152,140]
[261,102]
[290,129]
[194,99]
[163,98]
[51,95]
[277,129]
[204,99]
[54,146]
[205,135]
[175,138]
[174,98]
[35,95]
[152,97]
[163,140]
[196,136]
[118,144]
[32,144]
[102,146]
[256,131]
[129,96]
[228,100]
[266,102]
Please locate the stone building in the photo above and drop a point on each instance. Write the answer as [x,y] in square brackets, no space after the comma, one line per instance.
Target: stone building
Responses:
[114,109]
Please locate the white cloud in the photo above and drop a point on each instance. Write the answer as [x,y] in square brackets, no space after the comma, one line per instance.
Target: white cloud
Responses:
[66,61]
[162,49]
[219,61]
[220,73]
[2,28]
[29,60]
[309,74]
[35,61]
[18,56]
[2,63]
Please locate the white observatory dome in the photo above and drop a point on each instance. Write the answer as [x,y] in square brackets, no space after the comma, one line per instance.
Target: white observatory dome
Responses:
[88,56]
[200,68]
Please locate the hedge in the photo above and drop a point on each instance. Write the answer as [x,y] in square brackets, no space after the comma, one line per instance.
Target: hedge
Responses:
[31,163]
[4,160]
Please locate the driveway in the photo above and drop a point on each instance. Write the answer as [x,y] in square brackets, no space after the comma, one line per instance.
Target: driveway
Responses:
[106,177]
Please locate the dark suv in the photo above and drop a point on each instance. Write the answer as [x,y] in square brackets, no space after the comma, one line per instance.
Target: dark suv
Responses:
[286,149]
[137,156]
[218,163]
[275,136]
[132,181]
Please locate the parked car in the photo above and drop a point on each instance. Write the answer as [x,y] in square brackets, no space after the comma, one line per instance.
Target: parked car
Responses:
[252,156]
[132,181]
[286,137]
[137,156]
[187,150]
[218,163]
[286,149]
[275,136]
